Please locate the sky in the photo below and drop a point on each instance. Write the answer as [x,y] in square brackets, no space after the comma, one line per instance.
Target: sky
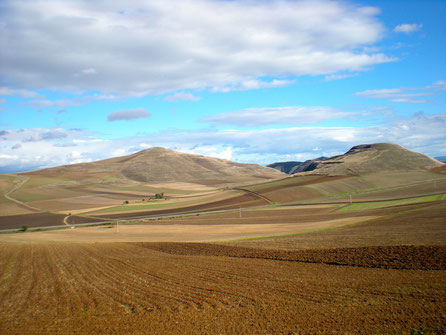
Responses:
[253,81]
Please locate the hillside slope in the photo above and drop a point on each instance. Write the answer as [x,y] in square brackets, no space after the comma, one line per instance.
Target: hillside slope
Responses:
[293,167]
[157,165]
[371,158]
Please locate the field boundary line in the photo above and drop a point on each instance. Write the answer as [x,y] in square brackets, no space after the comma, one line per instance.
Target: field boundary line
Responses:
[255,194]
[15,188]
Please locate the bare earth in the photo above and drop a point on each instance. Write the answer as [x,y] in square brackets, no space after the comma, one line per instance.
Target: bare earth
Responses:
[379,271]
[176,232]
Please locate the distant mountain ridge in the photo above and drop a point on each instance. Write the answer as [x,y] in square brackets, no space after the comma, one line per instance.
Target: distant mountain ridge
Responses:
[155,165]
[293,167]
[369,158]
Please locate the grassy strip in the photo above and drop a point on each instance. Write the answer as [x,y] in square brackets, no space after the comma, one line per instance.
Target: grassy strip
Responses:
[293,234]
[157,204]
[380,204]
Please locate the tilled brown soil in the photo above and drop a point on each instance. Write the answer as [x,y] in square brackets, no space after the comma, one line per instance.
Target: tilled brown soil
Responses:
[124,288]
[245,200]
[392,257]
[416,224]
[36,220]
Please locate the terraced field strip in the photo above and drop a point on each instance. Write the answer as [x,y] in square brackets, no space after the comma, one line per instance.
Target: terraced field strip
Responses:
[133,289]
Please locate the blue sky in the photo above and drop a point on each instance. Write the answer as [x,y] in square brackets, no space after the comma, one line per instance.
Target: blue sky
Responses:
[251,81]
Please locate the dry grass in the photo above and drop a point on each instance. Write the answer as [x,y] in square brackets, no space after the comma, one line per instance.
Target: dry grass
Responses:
[176,232]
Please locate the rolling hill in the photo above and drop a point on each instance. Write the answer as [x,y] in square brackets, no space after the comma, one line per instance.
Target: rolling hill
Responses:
[372,158]
[158,165]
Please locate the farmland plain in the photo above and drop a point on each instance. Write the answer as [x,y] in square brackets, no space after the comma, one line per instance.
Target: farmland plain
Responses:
[311,254]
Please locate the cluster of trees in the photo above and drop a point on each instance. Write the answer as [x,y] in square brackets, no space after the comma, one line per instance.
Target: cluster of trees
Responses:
[157,196]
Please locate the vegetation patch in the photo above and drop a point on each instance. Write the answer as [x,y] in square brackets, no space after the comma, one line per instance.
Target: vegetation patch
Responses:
[380,204]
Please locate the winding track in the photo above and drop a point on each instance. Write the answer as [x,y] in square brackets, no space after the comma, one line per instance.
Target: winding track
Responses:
[15,188]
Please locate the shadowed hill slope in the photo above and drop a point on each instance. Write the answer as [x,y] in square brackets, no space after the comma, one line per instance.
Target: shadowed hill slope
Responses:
[371,158]
[157,164]
[296,167]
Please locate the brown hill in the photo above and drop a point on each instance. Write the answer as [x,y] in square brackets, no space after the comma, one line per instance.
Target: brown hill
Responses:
[370,158]
[157,165]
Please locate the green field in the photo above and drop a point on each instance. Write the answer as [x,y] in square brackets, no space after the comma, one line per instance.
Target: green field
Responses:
[380,204]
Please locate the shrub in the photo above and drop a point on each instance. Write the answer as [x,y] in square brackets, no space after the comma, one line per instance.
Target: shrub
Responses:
[24,228]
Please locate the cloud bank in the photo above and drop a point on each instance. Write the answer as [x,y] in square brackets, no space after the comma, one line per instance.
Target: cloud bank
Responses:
[54,146]
[153,47]
[291,115]
[413,95]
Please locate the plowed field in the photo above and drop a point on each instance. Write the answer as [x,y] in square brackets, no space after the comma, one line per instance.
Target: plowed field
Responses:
[124,288]
[36,220]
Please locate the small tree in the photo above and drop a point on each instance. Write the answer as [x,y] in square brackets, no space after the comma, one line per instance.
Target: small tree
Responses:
[24,228]
[126,202]
[159,195]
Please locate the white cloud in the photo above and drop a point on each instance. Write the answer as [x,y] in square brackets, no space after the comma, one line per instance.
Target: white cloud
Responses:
[407,28]
[252,84]
[291,115]
[421,132]
[155,47]
[182,96]
[75,101]
[210,151]
[395,95]
[411,95]
[6,91]
[131,114]
[332,77]
[41,134]
[89,71]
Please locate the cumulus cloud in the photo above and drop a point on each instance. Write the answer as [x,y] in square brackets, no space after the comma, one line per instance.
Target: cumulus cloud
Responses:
[155,47]
[292,115]
[413,95]
[407,28]
[131,114]
[421,132]
[182,96]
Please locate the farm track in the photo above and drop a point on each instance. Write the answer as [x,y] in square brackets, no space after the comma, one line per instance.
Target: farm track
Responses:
[258,195]
[132,288]
[15,188]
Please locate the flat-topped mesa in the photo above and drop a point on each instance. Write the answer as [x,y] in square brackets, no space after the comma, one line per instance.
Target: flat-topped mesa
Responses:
[370,158]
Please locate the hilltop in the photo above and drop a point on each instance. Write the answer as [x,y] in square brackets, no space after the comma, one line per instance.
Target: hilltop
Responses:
[158,164]
[372,158]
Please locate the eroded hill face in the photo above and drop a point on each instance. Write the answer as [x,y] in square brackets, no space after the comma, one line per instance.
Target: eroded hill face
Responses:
[157,165]
[372,158]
